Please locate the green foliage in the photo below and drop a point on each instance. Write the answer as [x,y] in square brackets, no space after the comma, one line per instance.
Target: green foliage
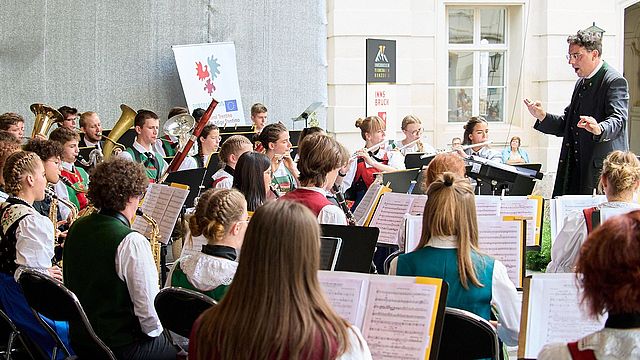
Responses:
[538,260]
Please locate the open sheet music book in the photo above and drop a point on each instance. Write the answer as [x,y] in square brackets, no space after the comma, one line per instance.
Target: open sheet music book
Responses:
[400,317]
[501,237]
[163,203]
[364,210]
[390,211]
[551,313]
[528,207]
[564,205]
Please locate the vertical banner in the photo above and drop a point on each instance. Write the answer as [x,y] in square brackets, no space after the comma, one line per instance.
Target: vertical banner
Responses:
[209,71]
[381,79]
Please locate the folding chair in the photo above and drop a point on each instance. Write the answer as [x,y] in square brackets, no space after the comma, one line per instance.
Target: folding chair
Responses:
[467,336]
[179,308]
[16,341]
[387,261]
[48,297]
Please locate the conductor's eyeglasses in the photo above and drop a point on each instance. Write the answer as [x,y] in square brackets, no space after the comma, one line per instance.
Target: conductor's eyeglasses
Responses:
[575,56]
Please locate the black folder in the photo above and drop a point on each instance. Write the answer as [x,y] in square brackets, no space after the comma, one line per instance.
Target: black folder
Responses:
[358,245]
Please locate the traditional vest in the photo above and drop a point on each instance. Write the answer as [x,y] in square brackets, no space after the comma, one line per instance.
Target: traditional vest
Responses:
[169,146]
[11,212]
[314,200]
[76,184]
[89,271]
[443,264]
[150,169]
[365,174]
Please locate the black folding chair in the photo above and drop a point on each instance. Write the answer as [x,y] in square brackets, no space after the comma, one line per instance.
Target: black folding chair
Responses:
[17,343]
[48,297]
[467,336]
[179,308]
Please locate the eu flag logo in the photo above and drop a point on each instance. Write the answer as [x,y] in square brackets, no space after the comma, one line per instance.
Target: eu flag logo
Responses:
[231,105]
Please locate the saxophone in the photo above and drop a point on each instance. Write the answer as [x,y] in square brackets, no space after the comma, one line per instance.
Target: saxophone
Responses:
[154,237]
[53,213]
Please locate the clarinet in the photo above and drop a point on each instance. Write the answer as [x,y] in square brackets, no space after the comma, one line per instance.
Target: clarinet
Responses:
[351,220]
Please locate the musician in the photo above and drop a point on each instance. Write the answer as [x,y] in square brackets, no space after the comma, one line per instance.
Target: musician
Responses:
[7,147]
[207,144]
[91,126]
[220,220]
[114,275]
[321,157]
[448,249]
[258,117]
[198,113]
[476,131]
[252,177]
[75,180]
[412,128]
[596,121]
[50,153]
[26,241]
[275,139]
[360,174]
[230,152]
[13,123]
[146,124]
[70,116]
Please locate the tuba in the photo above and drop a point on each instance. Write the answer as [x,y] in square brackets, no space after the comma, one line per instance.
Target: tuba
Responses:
[124,123]
[180,126]
[46,116]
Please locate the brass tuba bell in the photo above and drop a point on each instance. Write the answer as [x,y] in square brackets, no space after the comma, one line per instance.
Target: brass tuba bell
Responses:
[45,117]
[180,126]
[124,123]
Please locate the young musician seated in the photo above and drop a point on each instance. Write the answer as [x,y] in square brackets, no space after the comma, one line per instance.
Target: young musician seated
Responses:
[114,275]
[69,116]
[252,178]
[12,123]
[75,180]
[230,152]
[275,307]
[146,124]
[476,131]
[373,158]
[321,157]
[91,127]
[275,140]
[412,128]
[608,275]
[221,220]
[26,241]
[258,117]
[7,147]
[207,144]
[448,249]
[620,180]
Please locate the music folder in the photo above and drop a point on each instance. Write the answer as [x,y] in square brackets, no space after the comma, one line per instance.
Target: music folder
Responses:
[358,245]
[191,178]
[329,250]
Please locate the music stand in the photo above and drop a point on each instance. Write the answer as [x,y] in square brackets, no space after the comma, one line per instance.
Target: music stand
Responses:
[358,245]
[192,178]
[493,177]
[400,180]
[415,160]
[212,167]
[329,250]
[305,115]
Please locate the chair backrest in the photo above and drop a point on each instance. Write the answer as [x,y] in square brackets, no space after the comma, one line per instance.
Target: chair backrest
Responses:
[16,341]
[467,336]
[52,299]
[387,261]
[179,308]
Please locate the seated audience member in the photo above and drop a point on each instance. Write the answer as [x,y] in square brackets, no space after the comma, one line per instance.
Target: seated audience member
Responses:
[412,128]
[207,144]
[275,140]
[476,131]
[230,152]
[75,180]
[26,241]
[252,178]
[275,307]
[608,273]
[258,117]
[321,157]
[513,154]
[620,180]
[69,116]
[91,127]
[221,220]
[114,275]
[7,147]
[448,249]
[12,123]
[143,151]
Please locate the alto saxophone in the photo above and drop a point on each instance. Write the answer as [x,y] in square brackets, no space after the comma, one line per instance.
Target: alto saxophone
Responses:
[154,237]
[53,213]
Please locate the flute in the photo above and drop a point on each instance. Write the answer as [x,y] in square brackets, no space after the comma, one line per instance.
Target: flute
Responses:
[408,145]
[374,147]
[463,148]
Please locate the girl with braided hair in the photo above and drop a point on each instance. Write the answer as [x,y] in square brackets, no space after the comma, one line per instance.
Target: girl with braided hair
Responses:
[220,219]
[620,180]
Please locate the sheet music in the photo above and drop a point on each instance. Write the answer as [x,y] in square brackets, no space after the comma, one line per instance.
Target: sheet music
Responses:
[413,231]
[417,207]
[568,203]
[345,291]
[397,318]
[606,213]
[525,207]
[163,203]
[364,207]
[487,205]
[555,314]
[389,214]
[502,240]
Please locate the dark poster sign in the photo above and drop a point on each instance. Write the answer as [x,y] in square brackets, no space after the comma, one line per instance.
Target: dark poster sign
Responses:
[381,61]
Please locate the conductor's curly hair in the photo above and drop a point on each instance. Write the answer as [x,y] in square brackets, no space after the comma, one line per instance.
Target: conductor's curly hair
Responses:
[114,182]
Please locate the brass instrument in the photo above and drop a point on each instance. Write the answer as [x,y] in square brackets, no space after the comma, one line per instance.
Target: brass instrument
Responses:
[154,237]
[46,116]
[95,158]
[124,123]
[180,126]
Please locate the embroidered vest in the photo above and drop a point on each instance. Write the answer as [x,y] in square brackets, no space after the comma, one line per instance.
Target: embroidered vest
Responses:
[76,184]
[150,170]
[11,212]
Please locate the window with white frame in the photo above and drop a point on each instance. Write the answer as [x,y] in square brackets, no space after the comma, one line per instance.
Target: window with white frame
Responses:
[477,45]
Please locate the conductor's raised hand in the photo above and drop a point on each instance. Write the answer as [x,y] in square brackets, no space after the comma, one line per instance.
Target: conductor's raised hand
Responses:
[590,124]
[535,109]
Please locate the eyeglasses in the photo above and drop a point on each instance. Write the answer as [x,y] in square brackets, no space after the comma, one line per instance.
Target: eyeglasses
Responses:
[416,132]
[575,56]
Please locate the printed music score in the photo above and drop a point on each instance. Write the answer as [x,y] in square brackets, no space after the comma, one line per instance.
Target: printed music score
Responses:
[502,239]
[529,207]
[163,203]
[487,205]
[397,315]
[552,313]
[389,214]
[369,201]
[564,205]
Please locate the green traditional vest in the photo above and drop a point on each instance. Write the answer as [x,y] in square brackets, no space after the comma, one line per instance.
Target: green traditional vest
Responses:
[89,271]
[152,173]
[443,264]
[179,279]
[73,194]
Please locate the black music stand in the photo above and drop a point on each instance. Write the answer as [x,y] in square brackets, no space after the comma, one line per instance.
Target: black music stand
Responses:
[305,114]
[493,177]
[358,245]
[415,160]
[191,178]
[400,180]
[212,167]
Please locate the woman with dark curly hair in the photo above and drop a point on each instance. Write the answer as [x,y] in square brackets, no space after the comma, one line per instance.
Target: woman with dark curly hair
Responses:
[111,269]
[609,273]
